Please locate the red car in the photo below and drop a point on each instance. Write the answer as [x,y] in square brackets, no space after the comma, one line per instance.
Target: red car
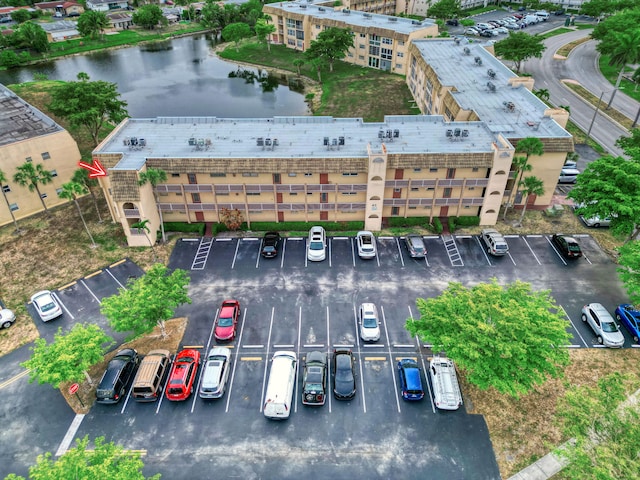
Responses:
[183,374]
[227,321]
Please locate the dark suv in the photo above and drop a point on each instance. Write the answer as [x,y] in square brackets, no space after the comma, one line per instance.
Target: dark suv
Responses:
[270,244]
[117,376]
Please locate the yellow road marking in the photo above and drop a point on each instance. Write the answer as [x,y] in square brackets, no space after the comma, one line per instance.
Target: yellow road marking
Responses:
[6,383]
[118,263]
[94,274]
[195,347]
[375,358]
[415,359]
[142,453]
[67,285]
[251,359]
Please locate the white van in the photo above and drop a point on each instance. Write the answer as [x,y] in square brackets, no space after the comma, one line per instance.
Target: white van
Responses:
[282,382]
[446,390]
[543,14]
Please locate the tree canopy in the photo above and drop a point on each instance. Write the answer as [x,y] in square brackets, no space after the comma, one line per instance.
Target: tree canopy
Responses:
[631,145]
[234,32]
[527,146]
[105,460]
[263,30]
[445,9]
[330,45]
[605,428]
[89,104]
[147,301]
[32,36]
[69,356]
[629,269]
[149,16]
[92,23]
[610,187]
[518,47]
[31,176]
[510,338]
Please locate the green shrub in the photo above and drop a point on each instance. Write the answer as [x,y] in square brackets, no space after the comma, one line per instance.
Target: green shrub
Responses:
[436,226]
[303,226]
[452,224]
[185,227]
[408,222]
[468,221]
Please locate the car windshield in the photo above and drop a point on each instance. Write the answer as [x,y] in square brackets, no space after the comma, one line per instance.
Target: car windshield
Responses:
[316,246]
[45,307]
[314,386]
[609,327]
[268,249]
[369,322]
[573,247]
[225,321]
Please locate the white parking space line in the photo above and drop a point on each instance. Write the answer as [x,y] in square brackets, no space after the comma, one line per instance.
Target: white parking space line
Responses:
[426,379]
[235,255]
[373,345]
[355,321]
[393,372]
[353,253]
[295,406]
[531,249]
[235,360]
[586,258]
[117,281]
[328,363]
[313,345]
[484,251]
[266,363]
[574,326]
[259,256]
[284,247]
[68,438]
[89,290]
[346,345]
[329,253]
[635,345]
[203,362]
[252,346]
[126,400]
[63,306]
[164,388]
[400,251]
[291,345]
[224,239]
[398,345]
[555,250]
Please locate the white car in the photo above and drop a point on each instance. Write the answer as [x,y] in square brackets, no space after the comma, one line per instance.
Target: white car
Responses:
[603,325]
[46,305]
[502,30]
[7,317]
[471,31]
[369,323]
[513,26]
[317,244]
[216,373]
[366,243]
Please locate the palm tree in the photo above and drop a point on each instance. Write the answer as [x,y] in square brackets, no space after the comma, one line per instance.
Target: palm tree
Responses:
[3,181]
[529,146]
[30,177]
[626,52]
[298,63]
[154,176]
[70,191]
[142,225]
[81,176]
[542,94]
[532,186]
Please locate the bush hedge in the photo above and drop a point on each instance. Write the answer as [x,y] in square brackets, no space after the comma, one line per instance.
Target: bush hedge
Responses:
[467,221]
[184,227]
[302,226]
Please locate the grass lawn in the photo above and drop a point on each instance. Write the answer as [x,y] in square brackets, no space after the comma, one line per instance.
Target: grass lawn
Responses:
[348,91]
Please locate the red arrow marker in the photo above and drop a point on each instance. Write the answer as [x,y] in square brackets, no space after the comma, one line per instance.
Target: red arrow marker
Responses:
[95,170]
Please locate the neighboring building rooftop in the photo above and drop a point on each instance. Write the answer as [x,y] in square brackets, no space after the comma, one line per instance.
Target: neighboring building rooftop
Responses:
[62,25]
[296,137]
[20,121]
[485,89]
[354,17]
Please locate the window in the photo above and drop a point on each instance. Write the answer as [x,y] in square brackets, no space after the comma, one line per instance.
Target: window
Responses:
[195,197]
[13,207]
[414,189]
[395,210]
[293,194]
[324,197]
[397,190]
[291,42]
[192,178]
[179,194]
[253,194]
[45,155]
[386,53]
[398,65]
[451,172]
[317,27]
[447,192]
[349,193]
[349,174]
[412,208]
[222,194]
[387,41]
[361,46]
[292,174]
[401,42]
[175,175]
[217,174]
[417,170]
[373,50]
[430,189]
[6,188]
[374,39]
[400,54]
[291,32]
[249,174]
[363,35]
[350,55]
[54,173]
[360,57]
[374,62]
[475,169]
[472,188]
[433,170]
[308,174]
[28,159]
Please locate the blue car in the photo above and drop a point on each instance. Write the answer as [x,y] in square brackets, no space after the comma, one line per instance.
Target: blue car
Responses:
[630,318]
[410,381]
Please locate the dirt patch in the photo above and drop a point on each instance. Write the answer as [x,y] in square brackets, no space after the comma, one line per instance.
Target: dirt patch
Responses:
[86,395]
[526,429]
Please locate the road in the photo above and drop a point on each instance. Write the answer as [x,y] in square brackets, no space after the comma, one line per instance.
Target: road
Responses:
[581,66]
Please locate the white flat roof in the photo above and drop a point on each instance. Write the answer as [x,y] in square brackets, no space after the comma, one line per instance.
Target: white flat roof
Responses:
[291,137]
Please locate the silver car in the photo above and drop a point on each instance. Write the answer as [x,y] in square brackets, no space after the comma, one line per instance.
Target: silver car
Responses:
[494,241]
[7,317]
[216,373]
[369,323]
[316,248]
[46,305]
[366,243]
[603,325]
[415,245]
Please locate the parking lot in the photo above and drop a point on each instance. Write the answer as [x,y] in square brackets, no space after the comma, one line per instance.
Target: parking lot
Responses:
[289,303]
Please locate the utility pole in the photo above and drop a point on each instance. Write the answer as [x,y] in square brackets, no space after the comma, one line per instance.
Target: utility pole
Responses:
[594,115]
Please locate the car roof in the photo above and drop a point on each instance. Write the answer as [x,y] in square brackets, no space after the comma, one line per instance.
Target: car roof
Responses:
[219,351]
[599,308]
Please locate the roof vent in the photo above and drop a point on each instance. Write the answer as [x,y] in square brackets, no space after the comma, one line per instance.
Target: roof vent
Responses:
[457,40]
[346,11]
[393,19]
[491,87]
[321,9]
[478,61]
[415,22]
[466,51]
[491,73]
[366,15]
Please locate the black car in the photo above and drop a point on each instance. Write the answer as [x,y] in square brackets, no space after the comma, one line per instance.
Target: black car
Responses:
[344,381]
[486,33]
[453,22]
[117,376]
[567,245]
[270,244]
[560,11]
[314,379]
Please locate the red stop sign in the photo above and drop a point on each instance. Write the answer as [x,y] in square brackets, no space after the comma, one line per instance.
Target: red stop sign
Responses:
[74,388]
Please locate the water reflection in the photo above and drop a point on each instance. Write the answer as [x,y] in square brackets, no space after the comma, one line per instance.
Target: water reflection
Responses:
[179,77]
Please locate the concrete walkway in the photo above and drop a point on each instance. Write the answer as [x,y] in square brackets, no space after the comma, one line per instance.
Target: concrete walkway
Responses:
[543,469]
